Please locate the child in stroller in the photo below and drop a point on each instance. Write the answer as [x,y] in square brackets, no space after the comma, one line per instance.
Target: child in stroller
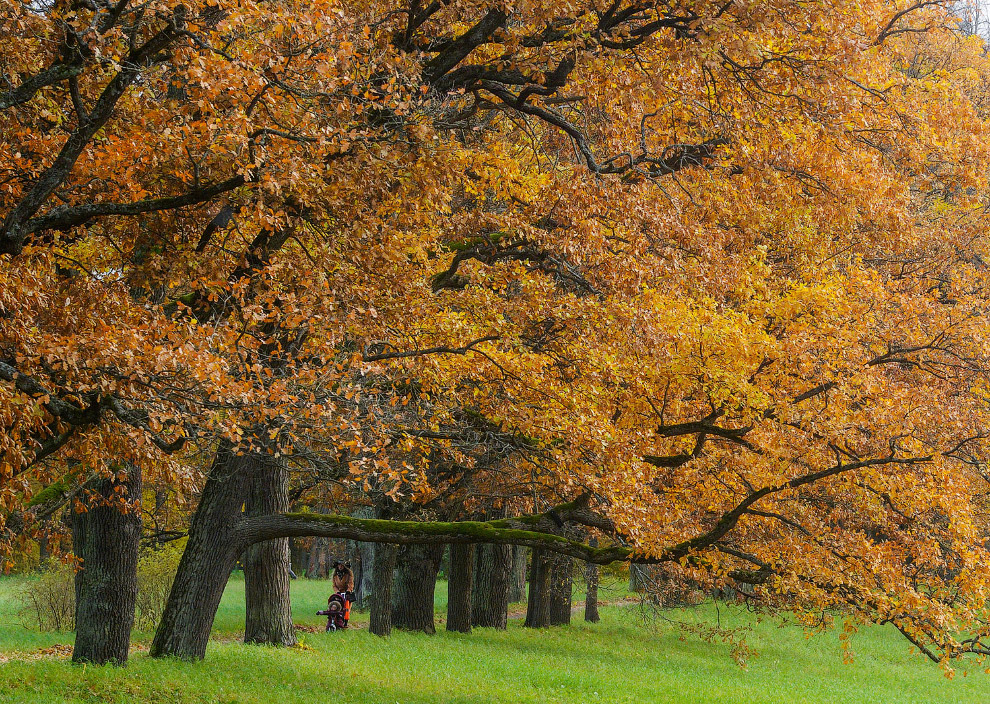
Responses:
[338,611]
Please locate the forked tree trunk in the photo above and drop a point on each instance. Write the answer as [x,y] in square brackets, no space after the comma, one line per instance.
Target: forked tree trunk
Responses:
[415,584]
[459,588]
[268,615]
[381,593]
[106,538]
[591,593]
[561,582]
[517,580]
[538,603]
[490,601]
[210,555]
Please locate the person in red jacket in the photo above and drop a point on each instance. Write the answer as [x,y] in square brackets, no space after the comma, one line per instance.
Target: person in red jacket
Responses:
[343,583]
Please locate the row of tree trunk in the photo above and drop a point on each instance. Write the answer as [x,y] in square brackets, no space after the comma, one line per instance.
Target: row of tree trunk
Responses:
[483,579]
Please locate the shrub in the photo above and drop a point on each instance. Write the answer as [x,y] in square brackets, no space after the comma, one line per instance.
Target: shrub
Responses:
[49,602]
[156,572]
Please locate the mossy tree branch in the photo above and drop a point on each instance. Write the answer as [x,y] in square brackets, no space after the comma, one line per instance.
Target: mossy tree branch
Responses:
[539,530]
[370,530]
[504,531]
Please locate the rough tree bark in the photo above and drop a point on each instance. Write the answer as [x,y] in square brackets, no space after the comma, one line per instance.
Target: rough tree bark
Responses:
[415,583]
[268,614]
[538,603]
[490,601]
[381,594]
[591,594]
[106,537]
[561,583]
[210,554]
[517,580]
[459,588]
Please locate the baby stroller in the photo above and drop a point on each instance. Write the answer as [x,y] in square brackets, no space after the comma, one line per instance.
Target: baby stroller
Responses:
[338,612]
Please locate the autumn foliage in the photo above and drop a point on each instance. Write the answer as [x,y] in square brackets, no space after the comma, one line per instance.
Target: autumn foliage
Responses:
[720,265]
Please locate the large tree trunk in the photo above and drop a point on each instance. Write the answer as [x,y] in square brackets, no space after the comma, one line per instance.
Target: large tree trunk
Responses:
[210,555]
[415,584]
[561,580]
[459,587]
[517,580]
[538,603]
[268,615]
[106,537]
[381,594]
[490,601]
[591,594]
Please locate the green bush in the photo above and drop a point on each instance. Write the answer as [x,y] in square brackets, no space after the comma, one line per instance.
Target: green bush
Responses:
[156,572]
[48,603]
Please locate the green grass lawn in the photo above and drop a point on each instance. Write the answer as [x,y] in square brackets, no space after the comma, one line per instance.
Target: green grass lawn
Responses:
[622,659]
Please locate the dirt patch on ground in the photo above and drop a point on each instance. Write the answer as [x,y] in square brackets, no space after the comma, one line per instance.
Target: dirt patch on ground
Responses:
[59,650]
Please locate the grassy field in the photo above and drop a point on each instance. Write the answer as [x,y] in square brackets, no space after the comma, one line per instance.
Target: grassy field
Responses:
[622,659]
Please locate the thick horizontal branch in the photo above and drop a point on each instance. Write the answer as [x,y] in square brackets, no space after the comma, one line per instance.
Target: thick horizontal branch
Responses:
[704,426]
[55,73]
[430,350]
[65,217]
[576,511]
[70,413]
[673,159]
[669,461]
[75,415]
[492,251]
[816,391]
[371,530]
[536,530]
[139,419]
